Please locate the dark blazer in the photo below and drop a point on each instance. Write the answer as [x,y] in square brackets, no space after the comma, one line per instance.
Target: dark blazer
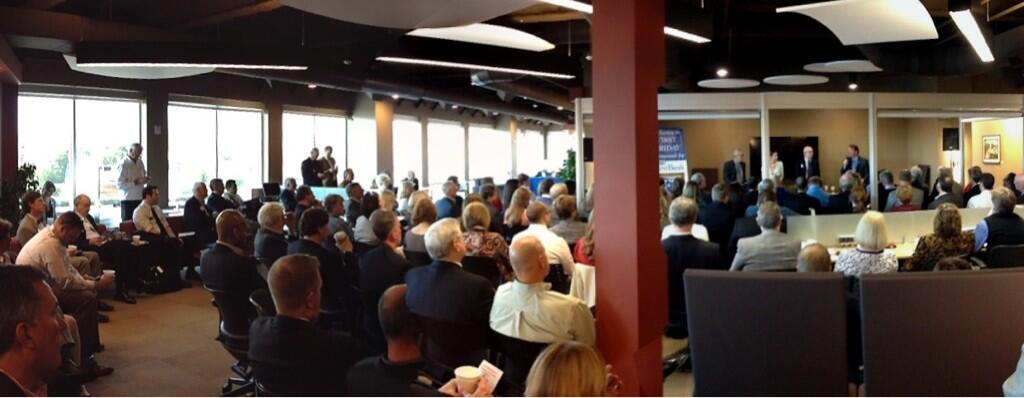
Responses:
[729,170]
[218,203]
[223,269]
[862,168]
[293,357]
[744,227]
[270,246]
[83,243]
[377,377]
[975,190]
[947,198]
[803,171]
[685,252]
[801,203]
[840,203]
[353,209]
[444,291]
[883,197]
[310,168]
[379,269]
[288,200]
[337,280]
[8,388]
[199,219]
[446,207]
[718,218]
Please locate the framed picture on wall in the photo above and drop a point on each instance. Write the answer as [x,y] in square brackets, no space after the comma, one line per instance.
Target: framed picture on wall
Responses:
[991,150]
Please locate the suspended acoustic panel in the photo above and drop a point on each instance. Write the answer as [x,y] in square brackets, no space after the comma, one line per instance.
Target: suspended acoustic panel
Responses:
[410,14]
[487,34]
[728,83]
[871,21]
[136,72]
[845,66]
[795,80]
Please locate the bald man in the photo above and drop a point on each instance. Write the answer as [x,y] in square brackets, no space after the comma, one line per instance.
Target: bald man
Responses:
[814,258]
[528,310]
[227,266]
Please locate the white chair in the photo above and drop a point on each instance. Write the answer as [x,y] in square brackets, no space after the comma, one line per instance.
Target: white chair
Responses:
[584,284]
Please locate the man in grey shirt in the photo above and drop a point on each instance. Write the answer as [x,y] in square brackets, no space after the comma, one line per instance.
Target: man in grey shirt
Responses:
[772,250]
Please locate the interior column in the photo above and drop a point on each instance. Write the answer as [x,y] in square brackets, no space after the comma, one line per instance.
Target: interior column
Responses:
[156,141]
[8,131]
[384,112]
[629,66]
[275,141]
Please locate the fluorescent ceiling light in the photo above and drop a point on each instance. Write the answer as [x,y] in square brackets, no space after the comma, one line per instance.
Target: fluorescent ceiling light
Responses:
[186,65]
[459,65]
[589,9]
[487,34]
[673,32]
[969,27]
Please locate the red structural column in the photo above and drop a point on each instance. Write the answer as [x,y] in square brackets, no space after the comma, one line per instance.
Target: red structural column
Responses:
[632,294]
[8,131]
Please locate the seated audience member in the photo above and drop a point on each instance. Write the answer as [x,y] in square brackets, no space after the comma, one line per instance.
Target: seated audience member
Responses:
[984,198]
[905,198]
[335,206]
[1018,184]
[527,309]
[702,195]
[47,252]
[524,180]
[814,258]
[199,216]
[347,178]
[684,251]
[34,207]
[480,242]
[952,264]
[31,333]
[917,194]
[767,185]
[490,195]
[718,216]
[388,201]
[557,190]
[571,369]
[815,190]
[443,291]
[840,202]
[1008,183]
[355,201]
[957,189]
[152,223]
[557,249]
[1002,226]
[858,200]
[379,269]
[289,353]
[399,371]
[227,267]
[449,206]
[119,254]
[304,200]
[544,191]
[383,183]
[270,243]
[870,256]
[231,193]
[769,251]
[423,216]
[584,249]
[696,230]
[7,255]
[945,194]
[800,202]
[768,196]
[974,185]
[886,187]
[288,194]
[363,231]
[569,227]
[216,200]
[917,179]
[337,277]
[515,213]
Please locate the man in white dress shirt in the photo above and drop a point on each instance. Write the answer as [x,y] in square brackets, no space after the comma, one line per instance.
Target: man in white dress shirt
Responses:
[150,220]
[556,248]
[131,181]
[983,199]
[528,310]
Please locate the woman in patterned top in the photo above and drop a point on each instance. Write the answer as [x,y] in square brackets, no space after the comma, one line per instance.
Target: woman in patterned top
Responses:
[476,218]
[870,256]
[946,241]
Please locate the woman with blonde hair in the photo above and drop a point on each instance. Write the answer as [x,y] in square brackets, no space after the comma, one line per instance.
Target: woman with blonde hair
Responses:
[424,213]
[870,256]
[388,201]
[570,369]
[476,220]
[404,193]
[515,215]
[947,240]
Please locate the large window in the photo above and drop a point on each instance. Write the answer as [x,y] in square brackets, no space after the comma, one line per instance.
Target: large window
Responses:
[490,153]
[204,142]
[362,150]
[303,132]
[529,152]
[559,143]
[446,152]
[77,143]
[407,142]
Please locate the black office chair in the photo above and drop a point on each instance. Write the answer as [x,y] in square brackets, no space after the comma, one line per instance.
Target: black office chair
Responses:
[1006,256]
[417,258]
[518,356]
[362,248]
[483,266]
[453,344]
[236,313]
[558,280]
[263,302]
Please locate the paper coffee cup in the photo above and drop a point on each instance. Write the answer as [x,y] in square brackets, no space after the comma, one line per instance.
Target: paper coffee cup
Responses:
[109,272]
[73,248]
[467,378]
[136,238]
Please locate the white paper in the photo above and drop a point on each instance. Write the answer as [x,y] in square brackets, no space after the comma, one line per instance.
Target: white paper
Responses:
[490,373]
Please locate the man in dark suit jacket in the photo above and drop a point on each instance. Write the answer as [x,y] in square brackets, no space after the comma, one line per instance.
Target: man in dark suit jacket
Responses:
[288,194]
[974,186]
[854,162]
[399,371]
[379,269]
[228,268]
[304,199]
[216,201]
[840,202]
[354,204]
[312,170]
[289,353]
[735,170]
[808,165]
[443,291]
[718,217]
[199,217]
[684,251]
[270,243]
[946,194]
[119,254]
[337,278]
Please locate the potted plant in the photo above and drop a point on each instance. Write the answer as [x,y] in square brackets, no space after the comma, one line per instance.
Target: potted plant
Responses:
[11,191]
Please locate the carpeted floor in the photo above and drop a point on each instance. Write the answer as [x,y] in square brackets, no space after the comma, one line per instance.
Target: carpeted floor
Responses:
[163,346]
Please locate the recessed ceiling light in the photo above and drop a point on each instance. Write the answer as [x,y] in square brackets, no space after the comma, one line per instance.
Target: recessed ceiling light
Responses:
[186,65]
[853,86]
[969,27]
[589,9]
[590,57]
[487,34]
[394,96]
[722,72]
[311,86]
[679,34]
[347,62]
[494,113]
[455,107]
[459,65]
[560,108]
[535,105]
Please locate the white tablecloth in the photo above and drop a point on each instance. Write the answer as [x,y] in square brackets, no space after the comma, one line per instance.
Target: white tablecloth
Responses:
[584,284]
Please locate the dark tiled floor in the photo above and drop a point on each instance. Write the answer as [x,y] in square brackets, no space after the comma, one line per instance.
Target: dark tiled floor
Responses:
[163,346]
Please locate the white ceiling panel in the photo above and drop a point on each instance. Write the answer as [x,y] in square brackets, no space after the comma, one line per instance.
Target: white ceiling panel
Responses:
[871,21]
[410,14]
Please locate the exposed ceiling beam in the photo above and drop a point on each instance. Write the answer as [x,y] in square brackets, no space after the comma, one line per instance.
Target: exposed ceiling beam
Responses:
[232,14]
[56,25]
[10,65]
[558,16]
[42,4]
